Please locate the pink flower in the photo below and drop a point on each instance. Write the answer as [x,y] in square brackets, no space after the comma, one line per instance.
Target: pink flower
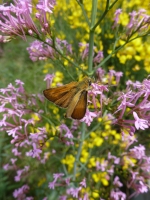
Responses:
[13,160]
[16,152]
[100,73]
[139,21]
[21,192]
[116,160]
[20,172]
[118,75]
[57,176]
[83,183]
[35,152]
[6,167]
[132,22]
[116,182]
[39,136]
[101,166]
[21,88]
[44,8]
[63,197]
[125,101]
[13,131]
[46,5]
[51,185]
[85,52]
[74,191]
[40,51]
[4,39]
[138,152]
[98,57]
[116,19]
[49,78]
[142,187]
[63,45]
[117,195]
[67,134]
[44,50]
[88,118]
[140,123]
[16,19]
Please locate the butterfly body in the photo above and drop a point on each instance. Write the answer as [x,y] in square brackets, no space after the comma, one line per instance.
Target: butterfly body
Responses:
[72,96]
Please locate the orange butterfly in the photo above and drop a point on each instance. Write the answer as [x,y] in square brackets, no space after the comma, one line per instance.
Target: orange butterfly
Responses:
[72,96]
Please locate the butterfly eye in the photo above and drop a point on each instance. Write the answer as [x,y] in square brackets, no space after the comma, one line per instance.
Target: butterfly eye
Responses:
[90,82]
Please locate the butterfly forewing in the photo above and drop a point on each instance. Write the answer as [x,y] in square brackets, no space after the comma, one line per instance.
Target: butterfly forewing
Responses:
[80,108]
[62,95]
[65,100]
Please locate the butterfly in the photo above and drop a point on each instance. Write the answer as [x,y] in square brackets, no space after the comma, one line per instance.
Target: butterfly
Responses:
[72,96]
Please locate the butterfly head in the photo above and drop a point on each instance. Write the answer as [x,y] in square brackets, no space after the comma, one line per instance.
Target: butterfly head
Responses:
[88,81]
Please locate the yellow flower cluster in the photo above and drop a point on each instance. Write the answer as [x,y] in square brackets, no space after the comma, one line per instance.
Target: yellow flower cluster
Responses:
[137,49]
[69,161]
[57,78]
[72,13]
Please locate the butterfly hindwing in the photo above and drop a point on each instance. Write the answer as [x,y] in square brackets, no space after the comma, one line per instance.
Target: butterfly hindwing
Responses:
[80,108]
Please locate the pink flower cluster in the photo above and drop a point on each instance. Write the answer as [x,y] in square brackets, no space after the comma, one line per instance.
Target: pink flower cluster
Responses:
[136,98]
[16,18]
[48,49]
[138,175]
[70,191]
[16,109]
[21,193]
[139,21]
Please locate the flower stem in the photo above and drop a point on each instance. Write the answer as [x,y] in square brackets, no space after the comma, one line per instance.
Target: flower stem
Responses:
[91,39]
[103,15]
[79,150]
[84,13]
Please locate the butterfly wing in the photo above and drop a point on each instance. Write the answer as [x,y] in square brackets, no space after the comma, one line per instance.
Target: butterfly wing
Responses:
[62,95]
[80,108]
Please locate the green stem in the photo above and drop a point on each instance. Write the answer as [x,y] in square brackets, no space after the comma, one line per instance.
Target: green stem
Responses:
[79,150]
[105,12]
[103,15]
[84,13]
[91,39]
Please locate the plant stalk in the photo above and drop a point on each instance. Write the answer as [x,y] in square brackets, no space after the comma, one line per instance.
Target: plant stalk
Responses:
[79,150]
[91,38]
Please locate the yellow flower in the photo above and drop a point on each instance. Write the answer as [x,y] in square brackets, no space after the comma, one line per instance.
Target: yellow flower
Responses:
[98,141]
[100,177]
[84,156]
[128,162]
[104,182]
[93,134]
[92,161]
[35,117]
[42,180]
[69,160]
[124,18]
[95,194]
